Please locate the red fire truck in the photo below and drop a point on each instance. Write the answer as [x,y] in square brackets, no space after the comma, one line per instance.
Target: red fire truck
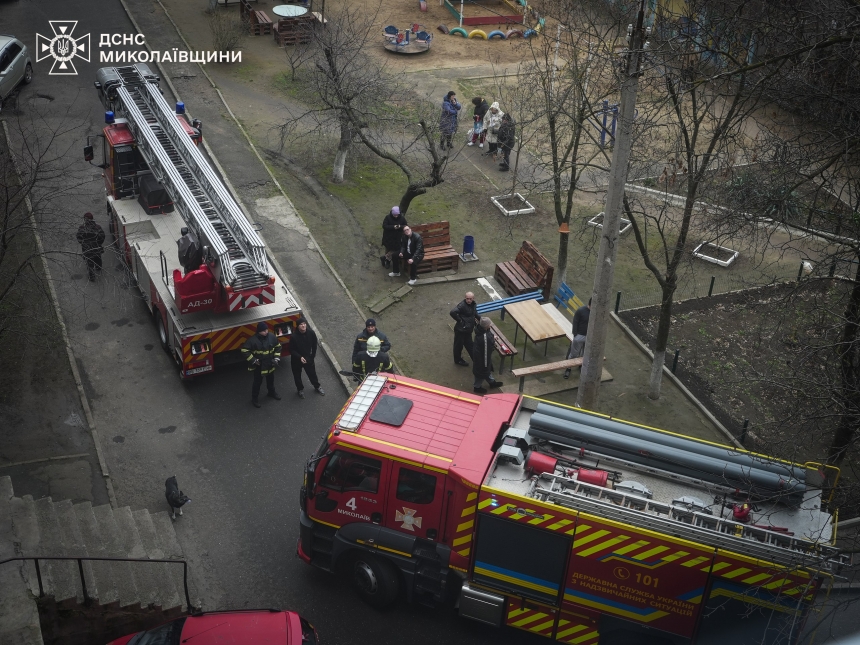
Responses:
[571,525]
[158,182]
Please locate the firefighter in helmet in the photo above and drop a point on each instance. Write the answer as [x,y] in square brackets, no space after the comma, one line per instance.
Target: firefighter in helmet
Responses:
[372,360]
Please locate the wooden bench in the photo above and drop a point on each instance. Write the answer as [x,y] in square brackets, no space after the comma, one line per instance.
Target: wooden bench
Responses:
[522,372]
[319,18]
[499,305]
[439,255]
[503,346]
[293,31]
[530,271]
[565,296]
[258,21]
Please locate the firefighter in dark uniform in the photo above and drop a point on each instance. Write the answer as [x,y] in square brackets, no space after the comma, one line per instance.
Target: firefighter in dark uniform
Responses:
[91,237]
[263,353]
[371,360]
[190,253]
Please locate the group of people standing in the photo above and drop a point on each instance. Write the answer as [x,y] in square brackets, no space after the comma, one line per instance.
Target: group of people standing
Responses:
[491,125]
[480,348]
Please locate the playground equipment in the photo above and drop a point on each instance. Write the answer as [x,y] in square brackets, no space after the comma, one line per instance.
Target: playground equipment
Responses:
[415,40]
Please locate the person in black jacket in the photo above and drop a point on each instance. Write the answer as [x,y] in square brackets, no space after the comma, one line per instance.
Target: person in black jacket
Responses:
[263,353]
[371,360]
[466,315]
[411,252]
[392,231]
[580,331]
[478,132]
[482,366]
[507,137]
[369,330]
[91,237]
[303,351]
[190,253]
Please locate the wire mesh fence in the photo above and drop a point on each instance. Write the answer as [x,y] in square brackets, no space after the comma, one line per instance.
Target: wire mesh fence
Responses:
[702,284]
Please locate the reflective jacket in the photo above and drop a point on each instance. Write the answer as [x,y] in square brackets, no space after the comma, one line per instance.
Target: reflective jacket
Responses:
[360,343]
[365,364]
[265,349]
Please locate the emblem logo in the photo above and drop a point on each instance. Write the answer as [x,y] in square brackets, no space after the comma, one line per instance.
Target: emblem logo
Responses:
[62,47]
[408,518]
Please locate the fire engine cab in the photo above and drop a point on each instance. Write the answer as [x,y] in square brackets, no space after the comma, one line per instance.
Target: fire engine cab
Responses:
[574,526]
[201,267]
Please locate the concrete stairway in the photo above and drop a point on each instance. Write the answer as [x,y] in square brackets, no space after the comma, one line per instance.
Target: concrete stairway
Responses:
[46,528]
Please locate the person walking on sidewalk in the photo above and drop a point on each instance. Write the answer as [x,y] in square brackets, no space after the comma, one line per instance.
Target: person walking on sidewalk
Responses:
[263,353]
[507,138]
[478,132]
[303,351]
[580,331]
[482,361]
[411,253]
[91,237]
[366,334]
[448,119]
[466,316]
[371,360]
[492,121]
[392,231]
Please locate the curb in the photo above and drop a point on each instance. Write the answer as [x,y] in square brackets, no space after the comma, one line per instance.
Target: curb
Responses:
[326,350]
[668,373]
[85,404]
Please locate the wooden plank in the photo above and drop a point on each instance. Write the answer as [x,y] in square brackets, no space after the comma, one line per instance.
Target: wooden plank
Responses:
[559,318]
[536,323]
[547,367]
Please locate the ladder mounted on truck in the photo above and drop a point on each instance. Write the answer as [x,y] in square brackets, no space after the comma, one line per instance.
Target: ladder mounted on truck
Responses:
[197,192]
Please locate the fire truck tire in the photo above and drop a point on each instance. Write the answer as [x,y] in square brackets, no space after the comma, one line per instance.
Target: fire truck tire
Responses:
[162,332]
[375,580]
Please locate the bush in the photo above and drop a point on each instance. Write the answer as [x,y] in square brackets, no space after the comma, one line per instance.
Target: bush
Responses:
[228,31]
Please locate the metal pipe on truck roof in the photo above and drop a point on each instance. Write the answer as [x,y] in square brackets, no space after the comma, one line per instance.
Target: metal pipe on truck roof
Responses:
[630,430]
[719,471]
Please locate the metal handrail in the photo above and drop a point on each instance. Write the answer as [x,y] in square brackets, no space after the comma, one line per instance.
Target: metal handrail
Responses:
[80,561]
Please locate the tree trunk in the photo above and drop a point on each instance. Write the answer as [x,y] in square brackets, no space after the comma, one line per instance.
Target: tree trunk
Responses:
[849,364]
[414,190]
[561,263]
[342,150]
[662,340]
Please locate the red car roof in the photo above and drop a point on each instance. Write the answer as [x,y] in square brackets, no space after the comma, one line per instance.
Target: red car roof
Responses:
[445,430]
[258,627]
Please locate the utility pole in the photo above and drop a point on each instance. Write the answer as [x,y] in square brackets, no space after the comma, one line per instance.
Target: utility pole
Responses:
[604,274]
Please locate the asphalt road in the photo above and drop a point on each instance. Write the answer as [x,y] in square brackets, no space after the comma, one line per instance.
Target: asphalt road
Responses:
[242,467]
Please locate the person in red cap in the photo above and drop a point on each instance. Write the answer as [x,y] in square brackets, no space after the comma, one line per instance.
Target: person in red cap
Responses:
[263,353]
[91,237]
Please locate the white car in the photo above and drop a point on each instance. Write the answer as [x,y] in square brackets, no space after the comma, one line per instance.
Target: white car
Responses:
[15,65]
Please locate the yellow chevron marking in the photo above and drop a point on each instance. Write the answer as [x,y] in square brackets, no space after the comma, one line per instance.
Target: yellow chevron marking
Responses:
[631,547]
[717,567]
[468,511]
[675,556]
[484,503]
[465,526]
[502,509]
[603,545]
[513,613]
[465,552]
[736,572]
[559,524]
[756,578]
[777,583]
[695,561]
[569,631]
[471,496]
[650,552]
[585,539]
[585,637]
[791,592]
[462,540]
[528,619]
[539,628]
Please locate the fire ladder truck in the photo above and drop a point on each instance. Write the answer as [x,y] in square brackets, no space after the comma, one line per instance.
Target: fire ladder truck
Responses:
[158,182]
[574,526]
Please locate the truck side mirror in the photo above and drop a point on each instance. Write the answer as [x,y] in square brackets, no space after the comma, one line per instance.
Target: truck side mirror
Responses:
[88,153]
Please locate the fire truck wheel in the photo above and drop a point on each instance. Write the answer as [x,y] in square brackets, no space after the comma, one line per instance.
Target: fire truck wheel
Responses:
[375,580]
[162,332]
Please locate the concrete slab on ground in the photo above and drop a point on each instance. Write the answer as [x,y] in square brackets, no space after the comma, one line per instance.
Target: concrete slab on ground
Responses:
[546,384]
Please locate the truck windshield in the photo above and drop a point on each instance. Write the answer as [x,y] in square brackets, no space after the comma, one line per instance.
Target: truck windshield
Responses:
[348,471]
[167,634]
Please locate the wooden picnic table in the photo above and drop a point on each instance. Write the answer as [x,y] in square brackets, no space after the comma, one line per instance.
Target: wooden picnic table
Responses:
[537,324]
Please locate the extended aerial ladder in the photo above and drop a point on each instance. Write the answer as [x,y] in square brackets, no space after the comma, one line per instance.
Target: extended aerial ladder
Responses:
[239,255]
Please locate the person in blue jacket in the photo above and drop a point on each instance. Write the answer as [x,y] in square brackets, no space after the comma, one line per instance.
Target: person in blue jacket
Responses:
[448,119]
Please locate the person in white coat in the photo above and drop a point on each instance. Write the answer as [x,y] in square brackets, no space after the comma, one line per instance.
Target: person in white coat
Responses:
[492,121]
